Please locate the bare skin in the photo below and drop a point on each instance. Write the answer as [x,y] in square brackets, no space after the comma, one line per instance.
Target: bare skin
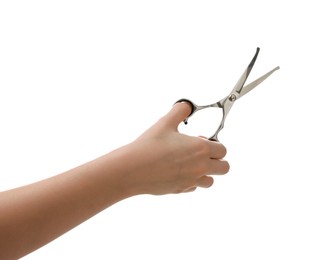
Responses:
[161,161]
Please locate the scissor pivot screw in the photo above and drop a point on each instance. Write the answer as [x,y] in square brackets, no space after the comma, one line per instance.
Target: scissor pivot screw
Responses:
[232,97]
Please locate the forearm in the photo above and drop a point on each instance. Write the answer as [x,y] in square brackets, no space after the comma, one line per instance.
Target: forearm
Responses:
[33,215]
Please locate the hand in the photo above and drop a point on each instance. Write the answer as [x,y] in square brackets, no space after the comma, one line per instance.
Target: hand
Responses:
[166,161]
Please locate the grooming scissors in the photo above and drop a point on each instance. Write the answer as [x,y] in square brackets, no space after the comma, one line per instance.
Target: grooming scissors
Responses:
[237,92]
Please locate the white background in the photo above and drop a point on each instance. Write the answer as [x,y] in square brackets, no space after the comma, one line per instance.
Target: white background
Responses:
[81,78]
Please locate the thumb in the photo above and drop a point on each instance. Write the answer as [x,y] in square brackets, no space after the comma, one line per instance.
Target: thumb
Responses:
[178,113]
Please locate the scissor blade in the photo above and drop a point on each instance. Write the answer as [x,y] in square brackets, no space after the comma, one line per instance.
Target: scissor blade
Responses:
[255,83]
[239,85]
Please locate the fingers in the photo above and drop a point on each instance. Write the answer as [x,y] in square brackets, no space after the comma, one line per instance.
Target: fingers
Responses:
[178,113]
[218,167]
[205,182]
[217,150]
[214,164]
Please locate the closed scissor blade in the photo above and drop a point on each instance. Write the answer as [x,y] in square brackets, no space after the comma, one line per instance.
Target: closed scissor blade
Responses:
[255,83]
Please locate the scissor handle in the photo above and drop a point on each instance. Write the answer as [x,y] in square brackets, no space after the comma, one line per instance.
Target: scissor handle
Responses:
[195,108]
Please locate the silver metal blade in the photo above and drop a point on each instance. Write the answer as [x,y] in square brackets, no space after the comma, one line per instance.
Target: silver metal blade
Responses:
[255,83]
[240,83]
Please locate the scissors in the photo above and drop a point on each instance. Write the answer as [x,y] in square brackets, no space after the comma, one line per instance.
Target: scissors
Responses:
[237,92]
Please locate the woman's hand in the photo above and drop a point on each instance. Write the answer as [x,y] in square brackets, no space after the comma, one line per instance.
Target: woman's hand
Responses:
[166,161]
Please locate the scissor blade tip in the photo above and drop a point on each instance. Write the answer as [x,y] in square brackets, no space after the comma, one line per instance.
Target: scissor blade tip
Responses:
[277,68]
